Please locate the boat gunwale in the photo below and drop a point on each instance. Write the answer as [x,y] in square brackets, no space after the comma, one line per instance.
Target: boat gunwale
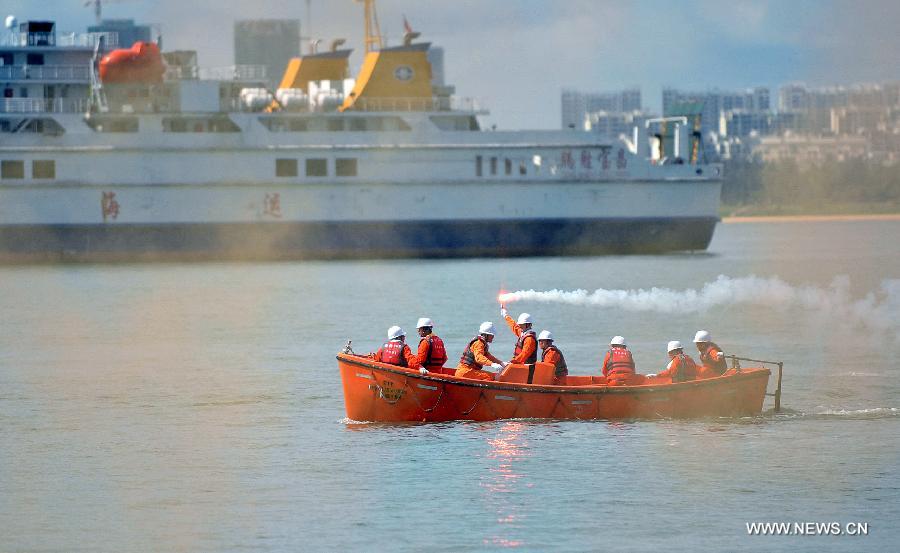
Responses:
[591,389]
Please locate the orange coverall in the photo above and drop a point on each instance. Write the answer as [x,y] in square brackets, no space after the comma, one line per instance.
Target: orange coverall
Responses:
[672,369]
[528,348]
[482,357]
[422,354]
[411,360]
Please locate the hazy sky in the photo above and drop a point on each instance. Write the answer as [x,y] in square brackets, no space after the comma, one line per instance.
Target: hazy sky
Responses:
[515,56]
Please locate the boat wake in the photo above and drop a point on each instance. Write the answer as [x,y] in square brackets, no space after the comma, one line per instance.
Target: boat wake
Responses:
[827,413]
[879,310]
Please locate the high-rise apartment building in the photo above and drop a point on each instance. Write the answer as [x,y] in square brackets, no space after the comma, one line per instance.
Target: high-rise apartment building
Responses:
[267,42]
[577,105]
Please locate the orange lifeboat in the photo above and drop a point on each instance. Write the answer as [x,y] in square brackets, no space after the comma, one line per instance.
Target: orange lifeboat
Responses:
[142,63]
[380,392]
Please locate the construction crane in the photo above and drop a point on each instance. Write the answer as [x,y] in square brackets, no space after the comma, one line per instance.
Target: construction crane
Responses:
[98,7]
[373,30]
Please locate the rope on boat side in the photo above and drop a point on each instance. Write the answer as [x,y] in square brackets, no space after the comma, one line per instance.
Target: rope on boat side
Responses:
[416,397]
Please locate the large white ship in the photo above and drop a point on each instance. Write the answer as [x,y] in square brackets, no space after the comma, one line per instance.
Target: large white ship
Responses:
[208,165]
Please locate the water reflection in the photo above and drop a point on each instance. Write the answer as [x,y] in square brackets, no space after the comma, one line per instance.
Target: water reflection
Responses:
[504,482]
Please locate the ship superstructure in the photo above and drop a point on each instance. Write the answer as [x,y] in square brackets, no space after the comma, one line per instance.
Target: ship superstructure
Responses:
[207,164]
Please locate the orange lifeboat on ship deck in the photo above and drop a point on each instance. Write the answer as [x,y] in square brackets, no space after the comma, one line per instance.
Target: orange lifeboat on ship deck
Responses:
[380,392]
[142,63]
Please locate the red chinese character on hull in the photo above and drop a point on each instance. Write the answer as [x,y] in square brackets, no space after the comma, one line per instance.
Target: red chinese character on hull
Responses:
[585,159]
[272,205]
[109,206]
[621,162]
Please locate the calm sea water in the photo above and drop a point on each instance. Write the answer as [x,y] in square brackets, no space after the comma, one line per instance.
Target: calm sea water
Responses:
[198,407]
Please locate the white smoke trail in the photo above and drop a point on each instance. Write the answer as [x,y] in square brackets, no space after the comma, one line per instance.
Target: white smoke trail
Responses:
[878,310]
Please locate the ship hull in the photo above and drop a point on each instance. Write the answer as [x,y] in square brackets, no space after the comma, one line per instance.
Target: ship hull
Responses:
[385,393]
[349,239]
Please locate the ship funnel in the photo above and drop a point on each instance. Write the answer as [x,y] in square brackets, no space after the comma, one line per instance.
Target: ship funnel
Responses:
[337,43]
[410,36]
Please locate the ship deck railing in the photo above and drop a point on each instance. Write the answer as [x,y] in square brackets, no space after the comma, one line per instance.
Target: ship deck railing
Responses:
[441,103]
[80,73]
[232,73]
[64,40]
[43,105]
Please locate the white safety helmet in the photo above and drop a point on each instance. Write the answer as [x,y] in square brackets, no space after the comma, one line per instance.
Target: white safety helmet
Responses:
[702,336]
[424,321]
[673,345]
[395,332]
[617,341]
[487,327]
[524,318]
[545,335]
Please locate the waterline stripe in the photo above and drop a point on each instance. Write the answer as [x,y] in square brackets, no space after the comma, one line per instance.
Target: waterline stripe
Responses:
[426,387]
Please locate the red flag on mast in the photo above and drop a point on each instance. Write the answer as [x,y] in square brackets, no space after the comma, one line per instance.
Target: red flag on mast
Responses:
[406,26]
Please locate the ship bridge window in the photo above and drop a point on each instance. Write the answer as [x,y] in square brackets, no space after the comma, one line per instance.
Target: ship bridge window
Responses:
[493,166]
[285,167]
[333,124]
[317,167]
[6,58]
[12,169]
[455,122]
[345,167]
[478,162]
[199,124]
[34,59]
[113,124]
[507,166]
[43,169]
[42,125]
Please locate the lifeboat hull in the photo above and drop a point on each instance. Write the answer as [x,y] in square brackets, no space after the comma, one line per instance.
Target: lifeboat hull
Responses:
[386,393]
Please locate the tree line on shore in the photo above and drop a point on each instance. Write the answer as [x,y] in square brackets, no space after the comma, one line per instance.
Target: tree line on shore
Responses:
[788,187]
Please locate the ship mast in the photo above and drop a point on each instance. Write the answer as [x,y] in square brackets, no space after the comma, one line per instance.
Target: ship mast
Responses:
[373,30]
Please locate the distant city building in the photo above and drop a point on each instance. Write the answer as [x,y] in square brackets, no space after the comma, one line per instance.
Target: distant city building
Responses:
[577,105]
[742,122]
[811,149]
[436,59]
[267,42]
[839,110]
[126,30]
[747,110]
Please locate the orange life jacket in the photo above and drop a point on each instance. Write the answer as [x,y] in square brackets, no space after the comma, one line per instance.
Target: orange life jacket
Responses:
[561,368]
[718,366]
[685,368]
[392,352]
[620,365]
[520,344]
[437,354]
[468,356]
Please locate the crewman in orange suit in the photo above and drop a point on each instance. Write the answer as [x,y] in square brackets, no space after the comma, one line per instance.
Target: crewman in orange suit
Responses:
[476,355]
[526,345]
[618,364]
[681,367]
[395,351]
[551,354]
[432,355]
[711,355]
